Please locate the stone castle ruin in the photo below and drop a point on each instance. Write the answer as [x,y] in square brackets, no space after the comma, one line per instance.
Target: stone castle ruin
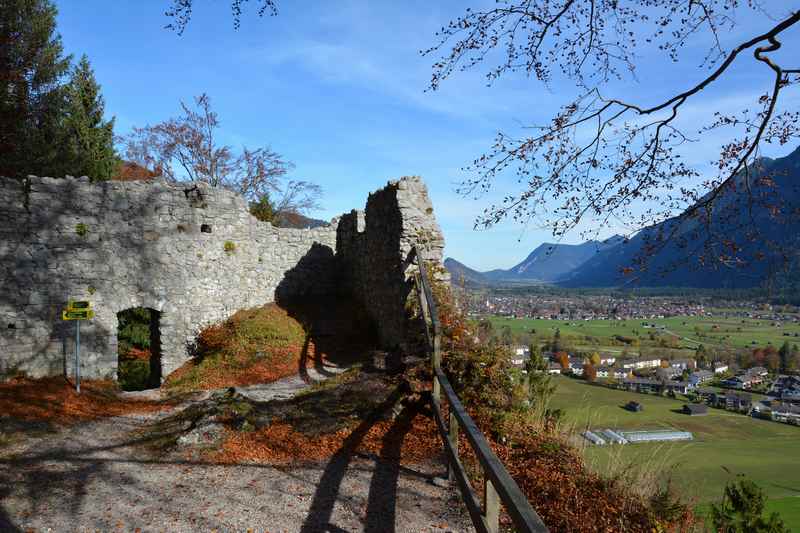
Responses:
[191,253]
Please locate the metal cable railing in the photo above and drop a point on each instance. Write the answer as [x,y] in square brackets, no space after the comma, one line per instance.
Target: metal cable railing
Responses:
[499,487]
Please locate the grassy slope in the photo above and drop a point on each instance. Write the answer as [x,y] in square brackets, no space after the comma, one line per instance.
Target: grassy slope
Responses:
[256,345]
[765,451]
[726,333]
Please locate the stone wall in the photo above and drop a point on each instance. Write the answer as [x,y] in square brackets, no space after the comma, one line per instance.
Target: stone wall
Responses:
[191,252]
[147,244]
[374,247]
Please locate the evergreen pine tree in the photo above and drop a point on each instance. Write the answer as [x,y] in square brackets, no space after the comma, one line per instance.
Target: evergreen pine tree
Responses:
[540,386]
[556,344]
[535,351]
[32,96]
[88,137]
[701,355]
[785,353]
[263,209]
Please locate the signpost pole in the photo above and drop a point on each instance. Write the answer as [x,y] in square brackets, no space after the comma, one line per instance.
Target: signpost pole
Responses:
[78,356]
[77,311]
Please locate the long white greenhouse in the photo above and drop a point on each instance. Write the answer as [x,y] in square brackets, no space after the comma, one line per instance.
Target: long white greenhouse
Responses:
[651,436]
[607,436]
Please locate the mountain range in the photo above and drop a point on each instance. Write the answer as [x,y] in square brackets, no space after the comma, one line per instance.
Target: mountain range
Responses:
[763,225]
[548,263]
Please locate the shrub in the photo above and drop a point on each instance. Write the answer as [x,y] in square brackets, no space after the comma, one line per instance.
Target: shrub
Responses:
[742,510]
[263,209]
[133,374]
[230,247]
[81,229]
[481,372]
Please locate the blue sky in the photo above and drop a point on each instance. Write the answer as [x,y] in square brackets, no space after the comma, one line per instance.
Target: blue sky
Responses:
[338,88]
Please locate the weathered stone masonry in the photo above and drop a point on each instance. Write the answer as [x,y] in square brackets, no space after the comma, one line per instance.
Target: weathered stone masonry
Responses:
[374,247]
[189,251]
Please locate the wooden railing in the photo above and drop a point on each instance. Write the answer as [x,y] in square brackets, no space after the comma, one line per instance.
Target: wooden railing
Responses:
[498,484]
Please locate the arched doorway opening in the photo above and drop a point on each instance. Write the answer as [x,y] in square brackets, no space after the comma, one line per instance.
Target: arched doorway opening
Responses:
[138,349]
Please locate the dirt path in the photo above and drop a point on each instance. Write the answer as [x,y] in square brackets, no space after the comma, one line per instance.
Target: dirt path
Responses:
[94,476]
[283,389]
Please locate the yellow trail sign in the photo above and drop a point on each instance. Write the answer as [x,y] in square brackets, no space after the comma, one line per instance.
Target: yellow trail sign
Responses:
[78,305]
[77,314]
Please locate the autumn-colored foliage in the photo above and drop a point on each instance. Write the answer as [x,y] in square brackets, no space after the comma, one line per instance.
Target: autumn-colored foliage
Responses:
[258,345]
[140,354]
[568,496]
[129,171]
[55,400]
[550,472]
[768,357]
[589,372]
[279,443]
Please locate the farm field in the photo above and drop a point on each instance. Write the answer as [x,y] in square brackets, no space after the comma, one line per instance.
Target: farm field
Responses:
[689,331]
[725,444]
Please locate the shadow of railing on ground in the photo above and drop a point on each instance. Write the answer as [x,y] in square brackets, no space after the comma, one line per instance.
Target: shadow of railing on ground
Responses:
[321,510]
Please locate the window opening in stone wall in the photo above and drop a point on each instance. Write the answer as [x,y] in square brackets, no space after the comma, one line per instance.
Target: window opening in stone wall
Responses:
[205,228]
[138,349]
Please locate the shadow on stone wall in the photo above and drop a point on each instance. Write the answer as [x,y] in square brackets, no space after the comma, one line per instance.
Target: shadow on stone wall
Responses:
[142,246]
[316,274]
[338,330]
[42,343]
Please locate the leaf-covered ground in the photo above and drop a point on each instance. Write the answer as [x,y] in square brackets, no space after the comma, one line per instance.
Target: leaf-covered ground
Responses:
[94,476]
[354,453]
[56,400]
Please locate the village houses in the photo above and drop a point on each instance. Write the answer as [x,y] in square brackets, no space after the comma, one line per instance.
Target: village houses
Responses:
[700,376]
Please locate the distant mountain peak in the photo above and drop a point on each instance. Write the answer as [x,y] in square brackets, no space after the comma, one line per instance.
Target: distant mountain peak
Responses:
[461,273]
[676,263]
[547,263]
[600,263]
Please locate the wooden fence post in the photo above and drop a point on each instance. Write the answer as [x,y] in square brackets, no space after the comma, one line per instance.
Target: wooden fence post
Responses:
[436,364]
[491,506]
[452,436]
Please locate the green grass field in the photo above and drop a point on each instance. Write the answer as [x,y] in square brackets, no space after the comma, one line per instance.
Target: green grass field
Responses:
[725,444]
[788,508]
[688,332]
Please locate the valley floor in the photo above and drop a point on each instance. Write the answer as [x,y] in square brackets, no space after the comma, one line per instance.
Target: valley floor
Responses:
[725,444]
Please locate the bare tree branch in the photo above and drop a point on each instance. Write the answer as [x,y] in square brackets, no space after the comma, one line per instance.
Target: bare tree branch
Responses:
[181,12]
[606,158]
[185,148]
